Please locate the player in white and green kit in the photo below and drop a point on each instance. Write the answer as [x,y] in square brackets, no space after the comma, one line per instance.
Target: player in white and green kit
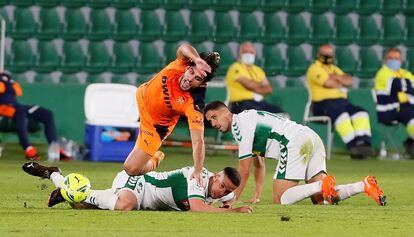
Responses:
[298,148]
[172,190]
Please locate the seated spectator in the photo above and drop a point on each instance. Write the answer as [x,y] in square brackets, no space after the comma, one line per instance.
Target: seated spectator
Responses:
[247,83]
[328,87]
[394,90]
[10,108]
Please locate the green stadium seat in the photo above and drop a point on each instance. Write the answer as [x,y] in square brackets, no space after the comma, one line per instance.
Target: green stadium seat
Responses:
[248,5]
[409,32]
[344,31]
[408,7]
[297,31]
[96,4]
[149,4]
[5,16]
[101,26]
[122,79]
[368,33]
[73,58]
[22,3]
[123,4]
[124,58]
[95,78]
[99,58]
[319,6]
[250,29]
[22,57]
[170,52]
[273,29]
[48,3]
[296,62]
[272,6]
[150,27]
[69,79]
[343,6]
[175,28]
[345,60]
[369,63]
[73,3]
[50,25]
[149,60]
[200,29]
[390,7]
[126,27]
[295,82]
[367,6]
[321,31]
[199,5]
[142,78]
[410,59]
[366,83]
[21,78]
[44,78]
[296,6]
[273,60]
[75,25]
[226,58]
[392,32]
[24,25]
[223,5]
[174,4]
[48,58]
[224,29]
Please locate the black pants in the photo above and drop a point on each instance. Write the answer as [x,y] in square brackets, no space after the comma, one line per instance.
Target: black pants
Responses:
[237,107]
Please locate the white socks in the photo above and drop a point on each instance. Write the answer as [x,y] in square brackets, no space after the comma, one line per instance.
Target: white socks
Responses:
[347,190]
[56,178]
[300,192]
[104,199]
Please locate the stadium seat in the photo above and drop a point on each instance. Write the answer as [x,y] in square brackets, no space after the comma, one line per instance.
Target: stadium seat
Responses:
[367,6]
[124,58]
[126,27]
[271,6]
[48,3]
[321,31]
[409,31]
[295,82]
[101,26]
[47,59]
[22,57]
[390,7]
[408,7]
[200,29]
[344,31]
[170,52]
[149,60]
[296,62]
[250,29]
[226,58]
[175,28]
[22,3]
[97,4]
[98,58]
[24,25]
[174,4]
[142,78]
[50,25]
[4,15]
[247,5]
[273,30]
[319,6]
[345,60]
[150,27]
[392,32]
[122,79]
[343,6]
[199,5]
[410,60]
[273,60]
[73,58]
[123,4]
[69,79]
[21,78]
[369,63]
[223,5]
[368,32]
[95,78]
[44,78]
[73,3]
[149,4]
[75,25]
[297,31]
[224,29]
[296,6]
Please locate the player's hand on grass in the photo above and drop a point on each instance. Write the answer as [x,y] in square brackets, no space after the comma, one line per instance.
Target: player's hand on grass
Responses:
[202,66]
[244,209]
[253,200]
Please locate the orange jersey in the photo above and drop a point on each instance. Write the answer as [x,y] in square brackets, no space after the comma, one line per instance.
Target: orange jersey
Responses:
[165,102]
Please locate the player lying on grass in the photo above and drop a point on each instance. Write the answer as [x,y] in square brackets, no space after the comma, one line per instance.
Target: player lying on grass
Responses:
[298,148]
[173,190]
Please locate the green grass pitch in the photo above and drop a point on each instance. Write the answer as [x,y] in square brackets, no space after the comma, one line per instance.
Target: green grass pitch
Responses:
[23,210]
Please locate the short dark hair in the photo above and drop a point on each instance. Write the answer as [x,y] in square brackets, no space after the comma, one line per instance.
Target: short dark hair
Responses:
[212,59]
[214,105]
[394,49]
[233,174]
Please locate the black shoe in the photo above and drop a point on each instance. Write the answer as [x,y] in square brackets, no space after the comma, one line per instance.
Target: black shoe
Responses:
[409,147]
[38,170]
[361,151]
[55,197]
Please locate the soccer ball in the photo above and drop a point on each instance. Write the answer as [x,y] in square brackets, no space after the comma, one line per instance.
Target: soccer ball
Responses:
[75,188]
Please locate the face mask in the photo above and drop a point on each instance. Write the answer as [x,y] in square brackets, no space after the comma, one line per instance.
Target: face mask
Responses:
[394,64]
[247,58]
[326,59]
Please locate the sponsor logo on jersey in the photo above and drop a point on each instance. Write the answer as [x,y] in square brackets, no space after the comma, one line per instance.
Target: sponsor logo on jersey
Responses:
[167,98]
[180,100]
[146,132]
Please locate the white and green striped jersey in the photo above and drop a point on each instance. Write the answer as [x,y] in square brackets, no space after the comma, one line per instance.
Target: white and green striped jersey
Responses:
[263,133]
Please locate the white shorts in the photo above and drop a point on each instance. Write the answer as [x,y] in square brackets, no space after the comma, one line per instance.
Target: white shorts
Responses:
[134,184]
[302,158]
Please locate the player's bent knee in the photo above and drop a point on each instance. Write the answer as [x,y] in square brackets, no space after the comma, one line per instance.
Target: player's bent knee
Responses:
[132,169]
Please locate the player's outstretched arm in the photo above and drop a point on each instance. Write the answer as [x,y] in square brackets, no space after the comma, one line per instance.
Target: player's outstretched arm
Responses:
[189,53]
[197,141]
[198,205]
[244,169]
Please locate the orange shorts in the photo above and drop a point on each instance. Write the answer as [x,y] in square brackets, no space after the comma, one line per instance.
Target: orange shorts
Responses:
[149,139]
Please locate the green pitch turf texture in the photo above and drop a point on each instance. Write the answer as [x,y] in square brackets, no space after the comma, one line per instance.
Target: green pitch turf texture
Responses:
[23,210]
